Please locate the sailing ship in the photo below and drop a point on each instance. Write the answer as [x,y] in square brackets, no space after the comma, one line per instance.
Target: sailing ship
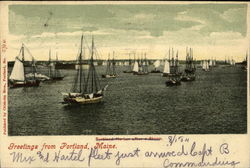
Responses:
[166,69]
[110,71]
[85,90]
[205,65]
[54,73]
[210,63]
[141,66]
[214,63]
[129,70]
[18,76]
[157,64]
[189,72]
[174,78]
[232,62]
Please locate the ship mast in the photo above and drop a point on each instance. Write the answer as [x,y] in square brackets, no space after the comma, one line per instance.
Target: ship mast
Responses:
[113,63]
[92,73]
[80,65]
[22,50]
[50,69]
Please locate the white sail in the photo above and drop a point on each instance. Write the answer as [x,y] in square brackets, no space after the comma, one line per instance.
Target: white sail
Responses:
[166,67]
[210,63]
[207,65]
[157,64]
[136,67]
[17,71]
[232,62]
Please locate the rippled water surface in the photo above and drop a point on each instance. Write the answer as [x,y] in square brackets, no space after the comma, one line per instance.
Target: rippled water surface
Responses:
[213,104]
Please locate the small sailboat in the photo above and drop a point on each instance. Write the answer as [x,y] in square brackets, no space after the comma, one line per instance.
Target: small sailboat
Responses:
[157,64]
[232,62]
[54,73]
[210,63]
[85,90]
[141,67]
[110,72]
[189,72]
[174,78]
[18,76]
[205,65]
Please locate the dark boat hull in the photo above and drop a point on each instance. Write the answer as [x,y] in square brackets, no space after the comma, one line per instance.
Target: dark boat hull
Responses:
[35,83]
[58,78]
[127,71]
[140,73]
[173,82]
[190,71]
[109,76]
[171,75]
[187,78]
[156,71]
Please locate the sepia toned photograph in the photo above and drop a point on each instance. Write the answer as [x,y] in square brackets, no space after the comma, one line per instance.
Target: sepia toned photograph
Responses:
[127,69]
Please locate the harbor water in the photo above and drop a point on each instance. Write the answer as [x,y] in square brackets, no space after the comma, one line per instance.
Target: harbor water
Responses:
[215,103]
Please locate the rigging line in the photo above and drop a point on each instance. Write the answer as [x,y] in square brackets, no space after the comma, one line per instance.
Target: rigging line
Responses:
[98,56]
[86,42]
[33,59]
[20,51]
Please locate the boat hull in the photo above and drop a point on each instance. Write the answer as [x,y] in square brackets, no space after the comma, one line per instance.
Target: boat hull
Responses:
[156,71]
[171,75]
[166,74]
[190,70]
[14,84]
[58,78]
[82,100]
[127,71]
[172,82]
[140,73]
[109,76]
[187,78]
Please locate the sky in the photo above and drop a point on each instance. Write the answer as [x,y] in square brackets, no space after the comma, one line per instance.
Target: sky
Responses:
[212,30]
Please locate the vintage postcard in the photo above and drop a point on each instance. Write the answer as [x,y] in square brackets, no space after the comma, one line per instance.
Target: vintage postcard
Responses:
[124,84]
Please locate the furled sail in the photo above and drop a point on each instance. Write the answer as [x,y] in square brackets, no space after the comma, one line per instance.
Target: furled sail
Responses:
[17,71]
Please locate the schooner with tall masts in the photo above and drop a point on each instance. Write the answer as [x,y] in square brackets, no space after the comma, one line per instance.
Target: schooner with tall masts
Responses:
[141,66]
[85,90]
[54,73]
[189,72]
[173,77]
[111,70]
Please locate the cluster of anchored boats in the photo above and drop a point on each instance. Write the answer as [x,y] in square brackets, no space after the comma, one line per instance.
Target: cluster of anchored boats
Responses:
[86,88]
[171,68]
[24,73]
